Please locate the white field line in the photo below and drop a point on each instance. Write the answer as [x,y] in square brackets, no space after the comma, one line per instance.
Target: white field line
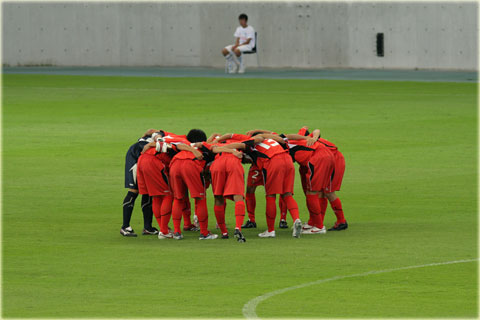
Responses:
[193,91]
[249,309]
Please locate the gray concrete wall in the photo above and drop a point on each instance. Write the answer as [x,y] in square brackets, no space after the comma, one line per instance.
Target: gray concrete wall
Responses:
[291,34]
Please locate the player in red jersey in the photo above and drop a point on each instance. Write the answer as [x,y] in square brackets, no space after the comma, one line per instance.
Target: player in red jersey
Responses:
[320,167]
[154,177]
[228,183]
[254,179]
[272,157]
[336,181]
[162,136]
[187,170]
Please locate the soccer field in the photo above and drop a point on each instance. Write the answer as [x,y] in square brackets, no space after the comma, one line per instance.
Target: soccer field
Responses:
[409,196]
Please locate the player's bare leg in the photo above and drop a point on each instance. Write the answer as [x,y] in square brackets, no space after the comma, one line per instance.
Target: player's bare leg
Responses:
[336,205]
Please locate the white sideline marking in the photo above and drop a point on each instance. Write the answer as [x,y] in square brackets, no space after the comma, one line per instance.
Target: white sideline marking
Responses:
[249,309]
[195,91]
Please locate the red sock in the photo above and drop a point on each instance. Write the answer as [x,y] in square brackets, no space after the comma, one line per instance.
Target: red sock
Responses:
[271,212]
[239,214]
[202,214]
[337,208]
[166,212]
[310,219]
[283,209]
[251,204]
[177,211]
[220,215]
[323,208]
[157,209]
[187,213]
[292,207]
[313,206]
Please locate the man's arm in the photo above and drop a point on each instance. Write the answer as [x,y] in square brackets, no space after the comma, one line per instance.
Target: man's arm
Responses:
[224,137]
[213,137]
[186,147]
[217,149]
[249,133]
[148,146]
[273,137]
[237,43]
[295,136]
[149,132]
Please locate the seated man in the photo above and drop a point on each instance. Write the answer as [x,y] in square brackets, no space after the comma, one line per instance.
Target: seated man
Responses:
[245,41]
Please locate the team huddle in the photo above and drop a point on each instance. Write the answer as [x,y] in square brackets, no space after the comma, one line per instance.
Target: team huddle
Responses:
[168,169]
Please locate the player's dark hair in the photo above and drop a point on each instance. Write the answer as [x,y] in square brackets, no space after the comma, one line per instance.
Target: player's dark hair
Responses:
[243,16]
[306,133]
[196,135]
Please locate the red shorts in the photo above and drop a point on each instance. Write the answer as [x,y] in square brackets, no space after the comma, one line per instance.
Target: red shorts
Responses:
[255,177]
[152,176]
[227,176]
[279,174]
[320,171]
[187,175]
[338,173]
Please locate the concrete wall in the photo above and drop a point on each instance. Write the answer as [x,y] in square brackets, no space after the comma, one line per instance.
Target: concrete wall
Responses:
[291,34]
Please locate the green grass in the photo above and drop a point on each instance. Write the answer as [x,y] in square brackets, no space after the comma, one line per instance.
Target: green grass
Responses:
[409,195]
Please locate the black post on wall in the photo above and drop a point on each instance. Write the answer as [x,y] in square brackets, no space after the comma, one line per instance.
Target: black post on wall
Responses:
[380,51]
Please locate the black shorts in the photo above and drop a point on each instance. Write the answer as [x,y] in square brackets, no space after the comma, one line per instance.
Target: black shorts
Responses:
[131,159]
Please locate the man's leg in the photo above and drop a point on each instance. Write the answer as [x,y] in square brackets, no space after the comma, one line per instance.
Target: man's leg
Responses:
[128,204]
[251,204]
[157,209]
[219,209]
[283,213]
[237,57]
[271,211]
[147,215]
[336,205]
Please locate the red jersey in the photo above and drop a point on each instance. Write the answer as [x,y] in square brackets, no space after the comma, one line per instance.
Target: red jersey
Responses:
[300,152]
[205,149]
[172,138]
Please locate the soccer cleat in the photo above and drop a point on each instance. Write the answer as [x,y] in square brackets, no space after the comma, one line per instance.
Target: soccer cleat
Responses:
[267,234]
[225,235]
[151,231]
[191,228]
[249,224]
[127,232]
[306,226]
[297,228]
[177,236]
[162,236]
[239,235]
[283,224]
[209,236]
[315,230]
[339,226]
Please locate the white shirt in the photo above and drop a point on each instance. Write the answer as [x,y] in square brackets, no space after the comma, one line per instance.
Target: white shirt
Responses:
[244,34]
